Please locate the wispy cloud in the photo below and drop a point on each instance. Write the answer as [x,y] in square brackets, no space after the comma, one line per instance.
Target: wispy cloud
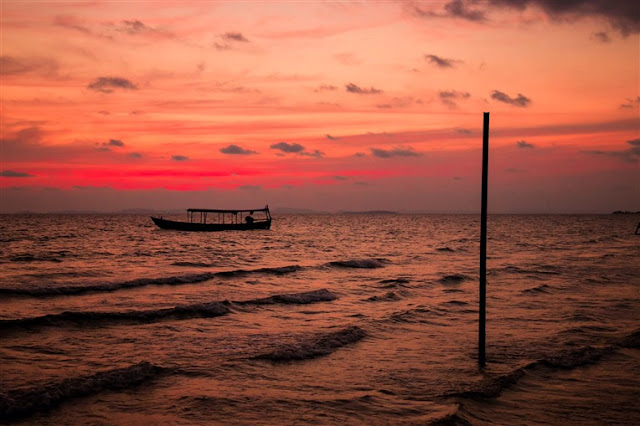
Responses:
[108,84]
[454,9]
[440,62]
[449,97]
[235,36]
[602,37]
[10,65]
[631,103]
[179,157]
[352,88]
[524,144]
[236,150]
[519,101]
[629,155]
[314,154]
[332,138]
[14,174]
[326,88]
[396,152]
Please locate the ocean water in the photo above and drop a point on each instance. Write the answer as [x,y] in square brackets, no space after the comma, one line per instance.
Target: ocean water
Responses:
[325,319]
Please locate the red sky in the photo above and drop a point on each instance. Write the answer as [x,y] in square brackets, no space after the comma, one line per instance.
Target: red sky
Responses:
[320,105]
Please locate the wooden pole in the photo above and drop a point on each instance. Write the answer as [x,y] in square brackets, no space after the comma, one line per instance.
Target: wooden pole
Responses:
[483,244]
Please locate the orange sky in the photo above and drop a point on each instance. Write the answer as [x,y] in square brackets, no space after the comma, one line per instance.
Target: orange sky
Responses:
[320,105]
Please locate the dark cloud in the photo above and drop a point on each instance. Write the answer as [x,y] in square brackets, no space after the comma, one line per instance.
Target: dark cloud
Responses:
[449,97]
[14,174]
[340,177]
[332,138]
[108,84]
[357,89]
[288,147]
[250,187]
[440,61]
[462,9]
[519,101]
[602,37]
[135,155]
[115,142]
[233,36]
[179,158]
[134,27]
[464,131]
[631,103]
[525,144]
[396,152]
[236,150]
[623,15]
[454,9]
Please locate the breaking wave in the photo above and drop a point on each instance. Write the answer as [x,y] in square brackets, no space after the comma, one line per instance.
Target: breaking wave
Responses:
[304,298]
[544,288]
[141,282]
[388,297]
[24,402]
[316,346]
[493,387]
[88,318]
[360,263]
[202,310]
[453,279]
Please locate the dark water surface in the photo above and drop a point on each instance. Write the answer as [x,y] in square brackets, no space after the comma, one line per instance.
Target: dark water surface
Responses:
[358,319]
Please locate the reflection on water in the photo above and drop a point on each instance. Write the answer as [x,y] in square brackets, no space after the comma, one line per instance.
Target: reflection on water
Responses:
[324,318]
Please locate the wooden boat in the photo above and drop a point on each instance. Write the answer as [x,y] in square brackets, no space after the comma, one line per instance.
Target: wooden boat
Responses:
[219,220]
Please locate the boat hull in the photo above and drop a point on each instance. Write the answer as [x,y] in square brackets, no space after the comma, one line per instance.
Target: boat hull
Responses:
[210,227]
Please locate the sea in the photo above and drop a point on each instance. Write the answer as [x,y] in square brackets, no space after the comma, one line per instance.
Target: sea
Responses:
[323,319]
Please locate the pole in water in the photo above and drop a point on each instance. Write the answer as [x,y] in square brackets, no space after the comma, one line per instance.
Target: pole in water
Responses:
[483,244]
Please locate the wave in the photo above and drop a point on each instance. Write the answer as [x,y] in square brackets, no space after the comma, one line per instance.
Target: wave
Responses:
[202,310]
[21,403]
[360,263]
[388,297]
[141,282]
[304,298]
[27,258]
[544,288]
[493,387]
[454,279]
[89,318]
[316,346]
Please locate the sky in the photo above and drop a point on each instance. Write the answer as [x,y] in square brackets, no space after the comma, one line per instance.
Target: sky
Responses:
[322,105]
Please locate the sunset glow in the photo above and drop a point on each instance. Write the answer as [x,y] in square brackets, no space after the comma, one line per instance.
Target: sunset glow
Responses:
[319,105]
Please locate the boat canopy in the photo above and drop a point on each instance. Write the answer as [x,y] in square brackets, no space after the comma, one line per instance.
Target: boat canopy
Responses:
[265,209]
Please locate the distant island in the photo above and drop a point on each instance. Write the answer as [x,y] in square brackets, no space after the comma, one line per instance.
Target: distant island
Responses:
[367,212]
[625,212]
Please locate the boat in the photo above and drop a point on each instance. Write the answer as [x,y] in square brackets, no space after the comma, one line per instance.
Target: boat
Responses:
[210,220]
